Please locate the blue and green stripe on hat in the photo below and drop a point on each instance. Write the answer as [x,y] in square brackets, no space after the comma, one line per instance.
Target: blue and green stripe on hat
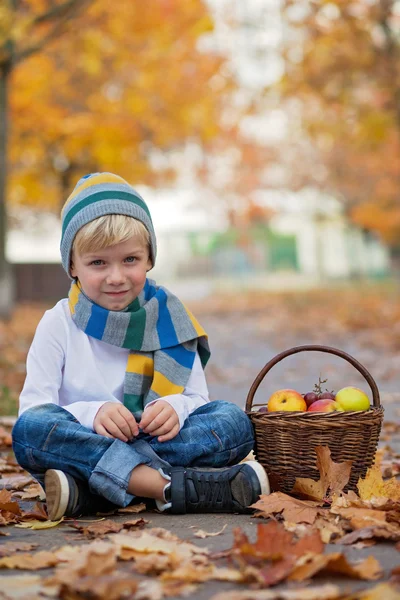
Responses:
[94,196]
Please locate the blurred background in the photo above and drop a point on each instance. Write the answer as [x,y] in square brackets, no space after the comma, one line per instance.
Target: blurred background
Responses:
[263,134]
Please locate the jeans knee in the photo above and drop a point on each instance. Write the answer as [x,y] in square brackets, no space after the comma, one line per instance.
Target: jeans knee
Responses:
[36,420]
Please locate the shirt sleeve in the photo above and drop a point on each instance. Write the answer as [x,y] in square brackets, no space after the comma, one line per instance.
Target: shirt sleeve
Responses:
[44,368]
[194,395]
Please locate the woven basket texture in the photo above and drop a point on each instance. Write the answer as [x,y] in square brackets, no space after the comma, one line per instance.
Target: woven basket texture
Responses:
[285,442]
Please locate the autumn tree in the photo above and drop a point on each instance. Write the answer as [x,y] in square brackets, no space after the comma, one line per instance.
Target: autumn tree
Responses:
[343,79]
[25,29]
[119,92]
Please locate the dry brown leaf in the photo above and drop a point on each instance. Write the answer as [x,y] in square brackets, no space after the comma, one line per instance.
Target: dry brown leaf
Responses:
[292,509]
[333,477]
[10,547]
[33,491]
[7,504]
[367,533]
[98,528]
[114,586]
[274,542]
[320,592]
[192,573]
[204,534]
[22,587]
[93,560]
[147,542]
[38,513]
[336,563]
[135,523]
[373,485]
[383,591]
[133,508]
[30,562]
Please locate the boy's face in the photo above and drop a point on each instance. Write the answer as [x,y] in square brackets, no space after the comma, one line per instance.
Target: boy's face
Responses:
[113,277]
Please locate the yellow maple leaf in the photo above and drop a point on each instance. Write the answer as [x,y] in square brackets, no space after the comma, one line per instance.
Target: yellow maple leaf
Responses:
[373,486]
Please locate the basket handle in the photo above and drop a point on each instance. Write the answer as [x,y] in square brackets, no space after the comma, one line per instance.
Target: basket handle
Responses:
[317,348]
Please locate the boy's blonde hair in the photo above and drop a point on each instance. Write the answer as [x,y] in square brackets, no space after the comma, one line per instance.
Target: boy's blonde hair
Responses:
[109,230]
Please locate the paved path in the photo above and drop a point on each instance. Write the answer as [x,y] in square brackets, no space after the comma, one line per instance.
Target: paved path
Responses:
[239,352]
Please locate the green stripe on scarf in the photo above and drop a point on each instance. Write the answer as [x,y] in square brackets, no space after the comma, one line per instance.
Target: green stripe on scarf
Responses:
[155,368]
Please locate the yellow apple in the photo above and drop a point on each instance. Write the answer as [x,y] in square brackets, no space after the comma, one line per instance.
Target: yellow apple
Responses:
[288,400]
[352,398]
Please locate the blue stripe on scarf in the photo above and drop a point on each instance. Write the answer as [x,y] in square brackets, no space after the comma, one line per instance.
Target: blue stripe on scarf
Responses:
[181,356]
[165,327]
[97,322]
[149,290]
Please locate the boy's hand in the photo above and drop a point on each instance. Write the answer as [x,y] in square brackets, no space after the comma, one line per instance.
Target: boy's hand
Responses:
[160,419]
[114,420]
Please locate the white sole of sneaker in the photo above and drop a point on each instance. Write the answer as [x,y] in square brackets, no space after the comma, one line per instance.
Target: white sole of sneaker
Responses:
[57,493]
[261,474]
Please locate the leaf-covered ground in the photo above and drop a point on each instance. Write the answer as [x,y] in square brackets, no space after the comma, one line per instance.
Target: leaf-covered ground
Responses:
[324,543]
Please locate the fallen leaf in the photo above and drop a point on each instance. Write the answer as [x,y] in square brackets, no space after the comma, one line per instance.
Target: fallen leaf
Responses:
[10,547]
[321,592]
[149,543]
[204,534]
[114,586]
[370,533]
[336,563]
[373,485]
[35,524]
[98,528]
[7,504]
[21,587]
[30,562]
[292,509]
[135,523]
[383,591]
[333,477]
[133,508]
[33,491]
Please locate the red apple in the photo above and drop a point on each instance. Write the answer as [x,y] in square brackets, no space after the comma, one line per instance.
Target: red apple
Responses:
[325,405]
[310,397]
[287,400]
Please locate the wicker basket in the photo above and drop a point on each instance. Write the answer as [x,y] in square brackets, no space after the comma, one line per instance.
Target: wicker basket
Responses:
[285,442]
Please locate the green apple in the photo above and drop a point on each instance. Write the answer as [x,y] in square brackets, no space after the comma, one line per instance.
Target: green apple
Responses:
[352,398]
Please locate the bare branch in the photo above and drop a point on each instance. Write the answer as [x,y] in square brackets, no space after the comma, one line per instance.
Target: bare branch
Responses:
[63,13]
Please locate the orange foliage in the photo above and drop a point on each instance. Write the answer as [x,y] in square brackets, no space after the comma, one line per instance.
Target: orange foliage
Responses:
[118,87]
[343,63]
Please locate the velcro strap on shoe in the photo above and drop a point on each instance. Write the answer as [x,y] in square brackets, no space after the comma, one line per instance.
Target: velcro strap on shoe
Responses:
[178,491]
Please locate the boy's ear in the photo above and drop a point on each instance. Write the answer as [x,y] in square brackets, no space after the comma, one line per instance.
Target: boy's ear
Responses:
[72,269]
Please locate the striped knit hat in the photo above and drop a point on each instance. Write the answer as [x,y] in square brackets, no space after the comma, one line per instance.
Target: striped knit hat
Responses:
[96,195]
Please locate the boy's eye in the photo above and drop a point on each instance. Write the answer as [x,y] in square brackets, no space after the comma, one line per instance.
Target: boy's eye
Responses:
[96,262]
[130,259]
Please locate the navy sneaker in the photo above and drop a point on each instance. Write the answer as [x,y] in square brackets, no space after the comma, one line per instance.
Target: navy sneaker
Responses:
[70,498]
[226,490]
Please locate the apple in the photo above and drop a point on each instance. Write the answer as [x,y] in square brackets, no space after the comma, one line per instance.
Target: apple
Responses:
[310,397]
[288,400]
[324,405]
[352,398]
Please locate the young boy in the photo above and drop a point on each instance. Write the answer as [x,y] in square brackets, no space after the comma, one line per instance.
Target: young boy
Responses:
[115,403]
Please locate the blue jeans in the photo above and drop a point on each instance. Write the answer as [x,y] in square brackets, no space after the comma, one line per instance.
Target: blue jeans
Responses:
[49,437]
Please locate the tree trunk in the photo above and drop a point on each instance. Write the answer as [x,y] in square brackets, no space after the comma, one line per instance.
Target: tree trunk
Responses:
[7,285]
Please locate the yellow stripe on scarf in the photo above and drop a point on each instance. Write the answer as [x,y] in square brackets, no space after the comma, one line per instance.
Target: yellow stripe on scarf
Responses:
[164,387]
[73,298]
[199,330]
[142,365]
[90,181]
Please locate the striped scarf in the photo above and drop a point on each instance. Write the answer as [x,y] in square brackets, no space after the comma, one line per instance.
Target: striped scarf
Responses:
[161,333]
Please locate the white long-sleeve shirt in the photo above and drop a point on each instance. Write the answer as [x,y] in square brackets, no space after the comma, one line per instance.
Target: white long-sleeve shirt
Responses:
[80,373]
